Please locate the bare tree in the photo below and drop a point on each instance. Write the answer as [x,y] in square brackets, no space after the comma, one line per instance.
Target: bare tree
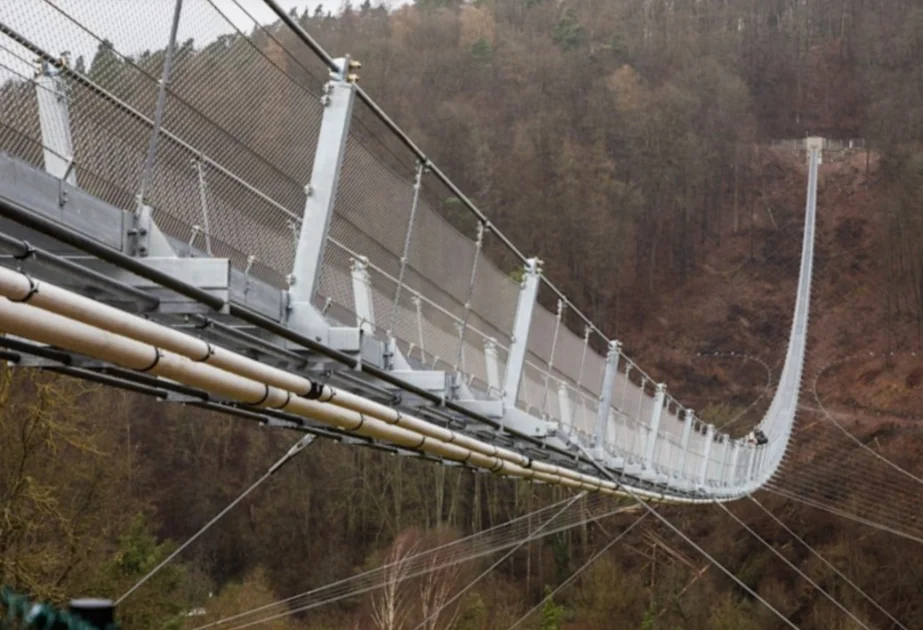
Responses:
[436,589]
[391,608]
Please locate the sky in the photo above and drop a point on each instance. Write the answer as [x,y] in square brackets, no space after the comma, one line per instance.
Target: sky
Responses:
[133,26]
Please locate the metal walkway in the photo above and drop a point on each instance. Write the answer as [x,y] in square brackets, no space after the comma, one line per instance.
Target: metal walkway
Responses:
[210,225]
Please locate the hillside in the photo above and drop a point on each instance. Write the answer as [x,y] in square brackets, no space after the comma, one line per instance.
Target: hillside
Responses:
[125,468]
[628,144]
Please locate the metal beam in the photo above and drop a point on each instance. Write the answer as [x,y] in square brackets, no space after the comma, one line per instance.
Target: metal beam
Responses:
[321,192]
[703,468]
[651,442]
[605,399]
[54,121]
[528,291]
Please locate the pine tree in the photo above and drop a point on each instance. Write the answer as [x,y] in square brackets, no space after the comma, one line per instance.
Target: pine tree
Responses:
[552,613]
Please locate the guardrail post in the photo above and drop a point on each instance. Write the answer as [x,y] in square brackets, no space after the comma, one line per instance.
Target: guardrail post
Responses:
[758,461]
[726,461]
[548,374]
[605,397]
[567,417]
[657,412]
[492,364]
[362,295]
[752,463]
[684,442]
[735,459]
[321,192]
[703,467]
[54,120]
[528,291]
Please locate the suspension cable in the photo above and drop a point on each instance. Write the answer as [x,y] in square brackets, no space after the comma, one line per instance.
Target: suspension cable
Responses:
[299,446]
[853,438]
[792,565]
[809,501]
[487,571]
[481,543]
[688,540]
[829,564]
[576,573]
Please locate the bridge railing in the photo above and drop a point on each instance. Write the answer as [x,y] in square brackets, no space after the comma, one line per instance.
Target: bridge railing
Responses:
[225,162]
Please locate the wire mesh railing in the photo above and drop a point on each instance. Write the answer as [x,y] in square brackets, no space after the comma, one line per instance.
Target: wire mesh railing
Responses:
[221,143]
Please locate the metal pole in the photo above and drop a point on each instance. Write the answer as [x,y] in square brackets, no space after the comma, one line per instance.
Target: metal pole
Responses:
[684,443]
[54,122]
[725,473]
[158,112]
[362,295]
[735,458]
[478,244]
[320,193]
[703,469]
[203,200]
[418,303]
[417,185]
[554,343]
[657,412]
[605,398]
[520,338]
[492,363]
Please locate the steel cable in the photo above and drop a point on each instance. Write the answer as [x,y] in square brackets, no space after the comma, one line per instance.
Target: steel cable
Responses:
[576,573]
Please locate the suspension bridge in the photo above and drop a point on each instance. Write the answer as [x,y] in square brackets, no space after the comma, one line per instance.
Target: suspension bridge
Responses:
[309,284]
[317,273]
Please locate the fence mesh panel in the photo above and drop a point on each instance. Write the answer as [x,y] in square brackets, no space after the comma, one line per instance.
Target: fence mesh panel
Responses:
[241,120]
[20,133]
[237,104]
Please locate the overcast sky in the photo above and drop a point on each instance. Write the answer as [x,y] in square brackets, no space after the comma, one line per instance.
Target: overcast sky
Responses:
[133,26]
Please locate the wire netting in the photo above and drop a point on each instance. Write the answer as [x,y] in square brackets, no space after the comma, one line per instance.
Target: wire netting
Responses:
[234,155]
[240,121]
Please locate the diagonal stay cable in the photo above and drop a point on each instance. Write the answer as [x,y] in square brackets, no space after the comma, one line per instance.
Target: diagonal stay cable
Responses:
[424,562]
[299,446]
[792,565]
[663,519]
[503,558]
[813,502]
[576,573]
[852,437]
[829,564]
[902,517]
[497,537]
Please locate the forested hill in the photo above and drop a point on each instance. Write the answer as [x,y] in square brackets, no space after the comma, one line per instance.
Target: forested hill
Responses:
[626,142]
[617,138]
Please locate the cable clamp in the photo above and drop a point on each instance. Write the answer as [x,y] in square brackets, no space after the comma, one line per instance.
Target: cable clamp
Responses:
[157,355]
[33,289]
[316,390]
[28,253]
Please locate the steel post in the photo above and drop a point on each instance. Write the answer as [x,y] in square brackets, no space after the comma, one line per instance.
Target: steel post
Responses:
[524,308]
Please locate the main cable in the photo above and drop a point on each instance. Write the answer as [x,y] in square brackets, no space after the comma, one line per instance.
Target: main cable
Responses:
[299,446]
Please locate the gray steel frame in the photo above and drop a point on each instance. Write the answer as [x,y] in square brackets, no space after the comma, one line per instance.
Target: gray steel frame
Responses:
[73,247]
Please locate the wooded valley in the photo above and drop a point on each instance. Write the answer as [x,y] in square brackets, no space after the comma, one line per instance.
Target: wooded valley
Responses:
[629,144]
